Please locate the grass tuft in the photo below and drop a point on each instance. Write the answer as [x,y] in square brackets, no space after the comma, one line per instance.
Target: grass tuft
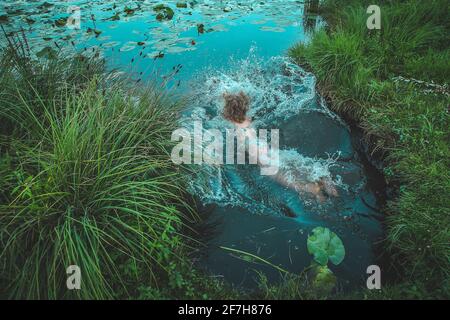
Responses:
[86,179]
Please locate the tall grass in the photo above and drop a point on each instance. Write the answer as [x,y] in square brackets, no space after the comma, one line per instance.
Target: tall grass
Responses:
[358,71]
[86,179]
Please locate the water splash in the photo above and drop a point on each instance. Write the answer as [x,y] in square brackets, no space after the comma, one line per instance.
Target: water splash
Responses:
[278,90]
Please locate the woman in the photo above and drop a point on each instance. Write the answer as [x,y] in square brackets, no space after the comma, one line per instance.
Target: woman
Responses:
[235,111]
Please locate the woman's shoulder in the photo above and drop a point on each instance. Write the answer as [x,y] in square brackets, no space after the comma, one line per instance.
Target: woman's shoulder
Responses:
[247,124]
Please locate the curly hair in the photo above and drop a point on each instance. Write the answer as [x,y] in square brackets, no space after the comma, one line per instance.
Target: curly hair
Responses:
[236,106]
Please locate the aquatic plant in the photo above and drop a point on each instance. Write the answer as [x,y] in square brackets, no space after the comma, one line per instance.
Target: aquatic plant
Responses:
[163,12]
[324,281]
[181,5]
[33,17]
[316,282]
[325,245]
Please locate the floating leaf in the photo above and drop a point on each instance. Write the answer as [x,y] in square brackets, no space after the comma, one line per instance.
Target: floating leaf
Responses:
[325,245]
[179,49]
[155,55]
[164,12]
[201,28]
[104,38]
[115,17]
[264,21]
[272,29]
[219,27]
[61,22]
[111,44]
[129,11]
[127,47]
[324,280]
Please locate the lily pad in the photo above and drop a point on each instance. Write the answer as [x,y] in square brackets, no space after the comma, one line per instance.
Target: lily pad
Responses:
[104,38]
[179,49]
[155,55]
[129,11]
[264,21]
[61,22]
[164,12]
[272,29]
[324,280]
[115,17]
[200,28]
[325,245]
[111,44]
[129,46]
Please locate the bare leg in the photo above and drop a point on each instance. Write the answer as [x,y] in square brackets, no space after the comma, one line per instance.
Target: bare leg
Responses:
[313,188]
[319,189]
[328,186]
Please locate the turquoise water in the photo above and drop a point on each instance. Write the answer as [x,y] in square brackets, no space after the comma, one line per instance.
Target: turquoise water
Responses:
[243,47]
[133,41]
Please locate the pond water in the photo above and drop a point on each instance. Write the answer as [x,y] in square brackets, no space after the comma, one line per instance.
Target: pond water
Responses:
[212,47]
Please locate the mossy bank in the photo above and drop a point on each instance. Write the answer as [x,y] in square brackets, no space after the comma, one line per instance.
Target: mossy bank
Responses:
[393,83]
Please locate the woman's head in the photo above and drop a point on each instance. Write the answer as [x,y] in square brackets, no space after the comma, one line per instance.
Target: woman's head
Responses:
[236,107]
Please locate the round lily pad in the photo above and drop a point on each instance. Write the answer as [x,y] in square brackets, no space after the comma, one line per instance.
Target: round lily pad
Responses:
[163,12]
[325,245]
